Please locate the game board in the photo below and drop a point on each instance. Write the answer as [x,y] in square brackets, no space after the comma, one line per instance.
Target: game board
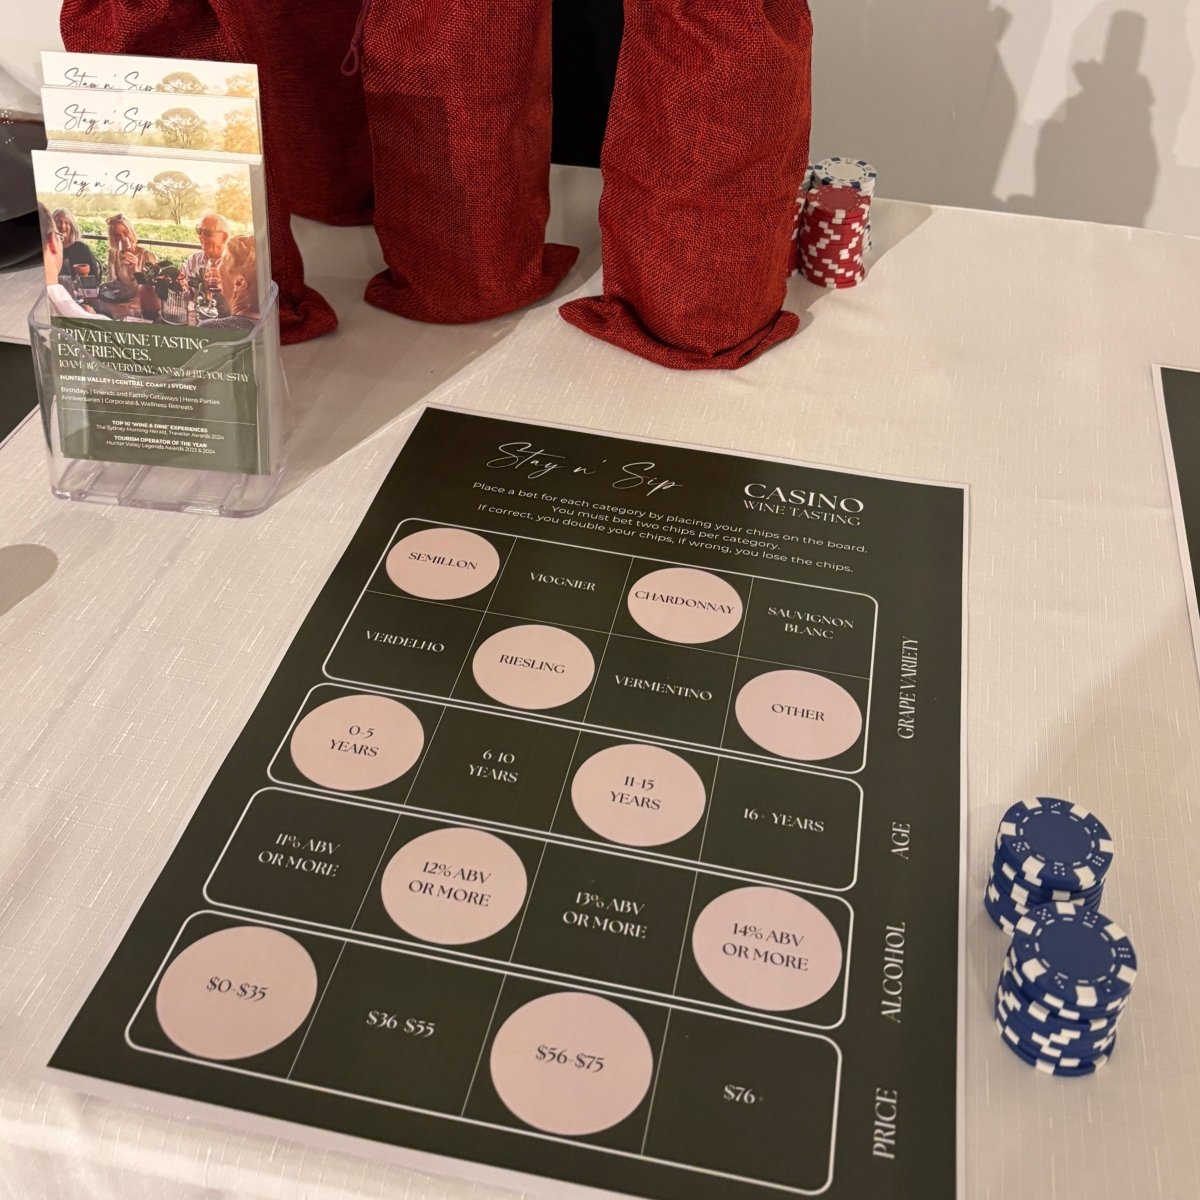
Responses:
[603,822]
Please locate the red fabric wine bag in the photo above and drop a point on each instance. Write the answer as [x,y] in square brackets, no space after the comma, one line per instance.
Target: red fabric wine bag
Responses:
[458,101]
[706,148]
[227,31]
[323,149]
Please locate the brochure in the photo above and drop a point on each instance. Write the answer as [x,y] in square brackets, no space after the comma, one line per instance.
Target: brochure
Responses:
[161,275]
[138,73]
[158,122]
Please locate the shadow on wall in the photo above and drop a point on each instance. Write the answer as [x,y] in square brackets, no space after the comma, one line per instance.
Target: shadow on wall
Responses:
[919,89]
[938,111]
[1096,158]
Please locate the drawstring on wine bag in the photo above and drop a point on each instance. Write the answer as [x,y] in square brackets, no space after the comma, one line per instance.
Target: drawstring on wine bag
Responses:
[352,63]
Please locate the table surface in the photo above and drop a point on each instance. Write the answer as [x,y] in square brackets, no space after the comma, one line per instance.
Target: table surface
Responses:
[1012,353]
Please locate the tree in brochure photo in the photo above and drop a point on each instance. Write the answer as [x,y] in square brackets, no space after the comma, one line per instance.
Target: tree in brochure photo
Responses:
[152,264]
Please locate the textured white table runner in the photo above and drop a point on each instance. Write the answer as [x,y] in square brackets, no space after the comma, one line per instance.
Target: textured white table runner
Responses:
[1010,353]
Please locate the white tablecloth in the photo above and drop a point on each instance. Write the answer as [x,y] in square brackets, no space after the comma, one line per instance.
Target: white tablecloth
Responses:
[1012,353]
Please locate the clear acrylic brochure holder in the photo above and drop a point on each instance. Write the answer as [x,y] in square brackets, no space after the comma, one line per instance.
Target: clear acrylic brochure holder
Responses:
[175,488]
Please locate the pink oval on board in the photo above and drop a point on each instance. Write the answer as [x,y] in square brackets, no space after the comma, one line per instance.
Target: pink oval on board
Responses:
[683,604]
[571,1063]
[442,564]
[638,795]
[767,949]
[533,666]
[357,742]
[236,993]
[454,886]
[798,715]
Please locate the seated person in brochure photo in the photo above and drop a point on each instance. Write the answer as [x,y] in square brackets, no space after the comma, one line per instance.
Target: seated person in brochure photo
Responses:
[76,252]
[125,256]
[213,231]
[52,256]
[238,304]
[233,273]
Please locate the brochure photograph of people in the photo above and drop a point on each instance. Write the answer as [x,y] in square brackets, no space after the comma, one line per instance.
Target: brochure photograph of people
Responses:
[126,239]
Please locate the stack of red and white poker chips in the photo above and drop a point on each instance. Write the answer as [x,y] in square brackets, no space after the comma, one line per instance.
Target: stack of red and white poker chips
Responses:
[831,241]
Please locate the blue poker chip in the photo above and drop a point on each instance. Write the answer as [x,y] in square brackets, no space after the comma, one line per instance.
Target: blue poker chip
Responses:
[1023,907]
[1002,912]
[1038,1046]
[1026,897]
[1054,844]
[1046,1047]
[1066,1067]
[1051,1033]
[1005,912]
[1057,1004]
[1076,956]
[1045,1017]
[1024,891]
[1039,1001]
[1060,1056]
[996,901]
[1041,1039]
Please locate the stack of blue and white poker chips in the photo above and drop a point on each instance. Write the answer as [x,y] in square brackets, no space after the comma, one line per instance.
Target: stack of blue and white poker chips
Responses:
[1062,989]
[1047,850]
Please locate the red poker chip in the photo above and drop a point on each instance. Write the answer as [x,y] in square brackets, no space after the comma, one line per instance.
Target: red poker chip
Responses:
[822,220]
[832,248]
[841,227]
[833,283]
[845,280]
[836,215]
[835,199]
[831,235]
[829,247]
[834,251]
[838,269]
[823,235]
[819,227]
[829,196]
[837,230]
[858,207]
